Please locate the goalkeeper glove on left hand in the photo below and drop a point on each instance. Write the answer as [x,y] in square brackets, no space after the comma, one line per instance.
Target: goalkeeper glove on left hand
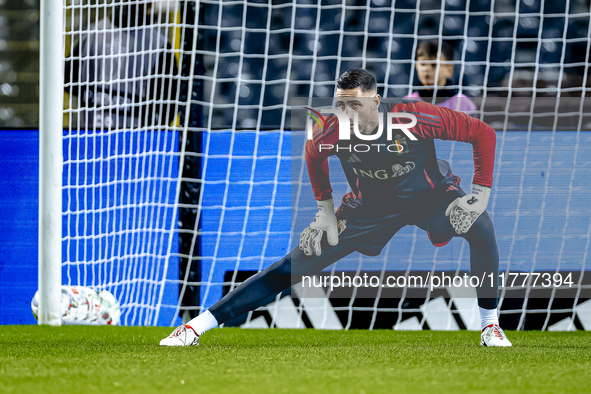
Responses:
[464,211]
[325,220]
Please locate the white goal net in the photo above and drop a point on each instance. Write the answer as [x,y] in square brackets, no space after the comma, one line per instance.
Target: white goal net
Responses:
[178,164]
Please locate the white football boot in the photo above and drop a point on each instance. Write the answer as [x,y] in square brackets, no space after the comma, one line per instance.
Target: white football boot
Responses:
[493,335]
[183,335]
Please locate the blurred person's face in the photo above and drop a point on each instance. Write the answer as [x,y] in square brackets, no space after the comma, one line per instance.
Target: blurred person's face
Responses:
[133,14]
[427,69]
[364,104]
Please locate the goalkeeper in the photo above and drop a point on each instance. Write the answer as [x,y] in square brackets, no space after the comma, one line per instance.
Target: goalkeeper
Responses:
[391,188]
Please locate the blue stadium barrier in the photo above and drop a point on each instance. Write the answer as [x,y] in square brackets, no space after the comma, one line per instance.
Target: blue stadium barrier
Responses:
[94,256]
[19,217]
[540,207]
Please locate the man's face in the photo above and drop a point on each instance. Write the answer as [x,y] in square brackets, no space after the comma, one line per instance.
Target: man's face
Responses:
[427,68]
[364,104]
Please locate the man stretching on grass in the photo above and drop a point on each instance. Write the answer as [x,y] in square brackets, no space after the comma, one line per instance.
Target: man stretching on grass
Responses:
[391,188]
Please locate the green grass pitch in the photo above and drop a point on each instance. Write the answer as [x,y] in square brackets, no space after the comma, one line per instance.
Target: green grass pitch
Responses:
[77,359]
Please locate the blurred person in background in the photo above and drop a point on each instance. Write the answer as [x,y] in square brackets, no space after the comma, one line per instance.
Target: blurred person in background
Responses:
[429,59]
[122,70]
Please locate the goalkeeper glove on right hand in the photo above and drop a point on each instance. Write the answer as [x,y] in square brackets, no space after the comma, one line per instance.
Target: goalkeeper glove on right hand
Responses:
[325,221]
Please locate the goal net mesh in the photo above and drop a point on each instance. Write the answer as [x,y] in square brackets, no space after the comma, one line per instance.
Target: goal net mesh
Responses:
[179,171]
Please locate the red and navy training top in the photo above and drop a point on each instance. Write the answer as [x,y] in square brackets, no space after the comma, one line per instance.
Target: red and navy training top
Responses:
[393,176]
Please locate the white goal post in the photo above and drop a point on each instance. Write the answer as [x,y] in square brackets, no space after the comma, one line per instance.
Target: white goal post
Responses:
[51,94]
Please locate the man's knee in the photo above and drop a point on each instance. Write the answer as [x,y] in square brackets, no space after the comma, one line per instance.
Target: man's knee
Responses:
[295,263]
[482,229]
[280,268]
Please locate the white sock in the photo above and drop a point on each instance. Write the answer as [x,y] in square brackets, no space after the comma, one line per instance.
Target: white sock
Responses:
[203,322]
[487,317]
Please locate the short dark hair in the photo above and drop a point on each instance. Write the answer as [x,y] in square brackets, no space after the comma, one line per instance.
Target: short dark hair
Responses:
[430,48]
[357,78]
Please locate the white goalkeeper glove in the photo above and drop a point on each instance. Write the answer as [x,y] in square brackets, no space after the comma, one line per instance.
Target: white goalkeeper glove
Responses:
[325,221]
[464,211]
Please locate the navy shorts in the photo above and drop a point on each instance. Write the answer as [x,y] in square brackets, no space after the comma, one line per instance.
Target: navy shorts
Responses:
[369,235]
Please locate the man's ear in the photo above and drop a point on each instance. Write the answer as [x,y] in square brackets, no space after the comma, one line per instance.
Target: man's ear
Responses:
[376,101]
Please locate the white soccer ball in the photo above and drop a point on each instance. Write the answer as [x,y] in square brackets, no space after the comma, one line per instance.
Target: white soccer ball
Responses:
[35,305]
[78,305]
[89,304]
[109,314]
